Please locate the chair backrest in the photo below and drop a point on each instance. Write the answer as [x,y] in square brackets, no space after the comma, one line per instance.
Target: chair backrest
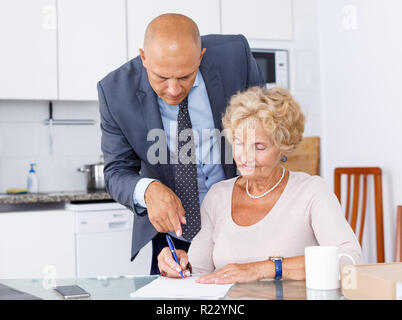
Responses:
[306,157]
[356,173]
[398,242]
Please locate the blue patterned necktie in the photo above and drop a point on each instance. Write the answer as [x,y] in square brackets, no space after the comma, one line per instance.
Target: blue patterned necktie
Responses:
[186,183]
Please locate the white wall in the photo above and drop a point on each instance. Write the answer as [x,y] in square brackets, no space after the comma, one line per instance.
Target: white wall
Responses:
[24,139]
[361,72]
[304,62]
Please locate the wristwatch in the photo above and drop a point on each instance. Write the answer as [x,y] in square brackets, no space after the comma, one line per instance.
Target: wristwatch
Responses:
[278,266]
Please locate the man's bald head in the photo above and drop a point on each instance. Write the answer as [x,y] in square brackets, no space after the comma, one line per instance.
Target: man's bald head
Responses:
[172,55]
[172,29]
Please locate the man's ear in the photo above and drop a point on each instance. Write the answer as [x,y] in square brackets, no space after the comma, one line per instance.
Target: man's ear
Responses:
[142,56]
[202,53]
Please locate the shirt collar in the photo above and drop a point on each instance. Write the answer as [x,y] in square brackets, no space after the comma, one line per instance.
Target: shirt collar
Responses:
[197,79]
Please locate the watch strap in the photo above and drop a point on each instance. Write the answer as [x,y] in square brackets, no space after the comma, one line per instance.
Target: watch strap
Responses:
[278,269]
[279,290]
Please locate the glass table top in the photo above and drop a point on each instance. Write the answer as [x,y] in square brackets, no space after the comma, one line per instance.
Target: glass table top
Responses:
[120,288]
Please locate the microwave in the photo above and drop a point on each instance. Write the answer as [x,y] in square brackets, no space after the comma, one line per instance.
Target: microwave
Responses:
[274,64]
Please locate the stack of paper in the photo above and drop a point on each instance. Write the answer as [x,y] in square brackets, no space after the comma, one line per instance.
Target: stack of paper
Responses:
[185,288]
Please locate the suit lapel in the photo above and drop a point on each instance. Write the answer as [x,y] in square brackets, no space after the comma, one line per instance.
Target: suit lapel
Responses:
[218,102]
[153,120]
[149,103]
[216,92]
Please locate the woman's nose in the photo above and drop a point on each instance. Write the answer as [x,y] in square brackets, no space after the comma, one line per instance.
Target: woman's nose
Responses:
[248,155]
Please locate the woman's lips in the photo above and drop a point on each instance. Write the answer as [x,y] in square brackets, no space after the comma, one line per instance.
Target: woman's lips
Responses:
[245,166]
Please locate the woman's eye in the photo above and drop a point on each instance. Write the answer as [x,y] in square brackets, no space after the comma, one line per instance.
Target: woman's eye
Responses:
[260,147]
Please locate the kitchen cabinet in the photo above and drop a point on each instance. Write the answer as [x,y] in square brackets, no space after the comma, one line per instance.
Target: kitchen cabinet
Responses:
[258,19]
[205,13]
[37,244]
[103,241]
[28,50]
[91,42]
[60,49]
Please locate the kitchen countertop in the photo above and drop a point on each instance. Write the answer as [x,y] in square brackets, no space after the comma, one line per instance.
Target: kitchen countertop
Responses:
[53,197]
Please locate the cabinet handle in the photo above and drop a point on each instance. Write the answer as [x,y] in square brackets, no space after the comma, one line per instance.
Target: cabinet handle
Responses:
[118,225]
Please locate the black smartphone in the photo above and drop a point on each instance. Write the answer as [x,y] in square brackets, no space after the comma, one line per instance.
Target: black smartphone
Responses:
[70,292]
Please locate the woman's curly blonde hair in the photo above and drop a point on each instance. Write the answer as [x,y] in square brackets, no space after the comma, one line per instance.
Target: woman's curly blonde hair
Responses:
[275,108]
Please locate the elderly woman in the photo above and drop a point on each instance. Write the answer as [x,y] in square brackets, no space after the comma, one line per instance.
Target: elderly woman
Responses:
[262,220]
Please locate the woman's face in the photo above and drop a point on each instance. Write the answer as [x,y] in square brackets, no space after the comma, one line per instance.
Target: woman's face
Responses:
[254,153]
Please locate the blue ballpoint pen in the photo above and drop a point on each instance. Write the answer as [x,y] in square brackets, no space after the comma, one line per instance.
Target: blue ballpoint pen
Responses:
[173,251]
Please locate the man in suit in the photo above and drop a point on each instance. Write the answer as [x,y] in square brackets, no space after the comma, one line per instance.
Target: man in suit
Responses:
[179,81]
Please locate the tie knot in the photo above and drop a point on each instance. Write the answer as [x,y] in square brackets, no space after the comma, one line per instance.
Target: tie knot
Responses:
[184,103]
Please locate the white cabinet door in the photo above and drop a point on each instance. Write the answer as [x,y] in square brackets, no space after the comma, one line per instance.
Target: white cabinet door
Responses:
[92,42]
[140,13]
[258,19]
[28,65]
[37,244]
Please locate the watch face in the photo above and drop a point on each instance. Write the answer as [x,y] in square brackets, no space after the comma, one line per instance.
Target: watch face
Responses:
[275,258]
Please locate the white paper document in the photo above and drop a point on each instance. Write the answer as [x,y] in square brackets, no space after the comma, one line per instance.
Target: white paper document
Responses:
[181,288]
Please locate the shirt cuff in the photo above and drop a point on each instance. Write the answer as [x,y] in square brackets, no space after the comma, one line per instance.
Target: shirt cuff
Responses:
[139,191]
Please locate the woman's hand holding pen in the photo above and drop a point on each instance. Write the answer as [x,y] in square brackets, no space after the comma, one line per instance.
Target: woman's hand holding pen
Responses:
[169,267]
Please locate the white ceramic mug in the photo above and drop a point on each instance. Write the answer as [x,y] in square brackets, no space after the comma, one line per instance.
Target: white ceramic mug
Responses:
[322,267]
[313,294]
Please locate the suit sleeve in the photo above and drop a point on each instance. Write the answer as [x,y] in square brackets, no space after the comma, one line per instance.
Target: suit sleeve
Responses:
[255,76]
[122,165]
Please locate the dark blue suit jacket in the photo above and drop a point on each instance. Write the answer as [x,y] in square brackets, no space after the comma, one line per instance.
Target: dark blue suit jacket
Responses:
[129,110]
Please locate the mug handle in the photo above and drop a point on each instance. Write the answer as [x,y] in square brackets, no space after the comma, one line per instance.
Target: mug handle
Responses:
[348,256]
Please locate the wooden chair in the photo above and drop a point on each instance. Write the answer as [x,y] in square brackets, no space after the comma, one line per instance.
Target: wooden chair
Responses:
[306,157]
[398,242]
[356,173]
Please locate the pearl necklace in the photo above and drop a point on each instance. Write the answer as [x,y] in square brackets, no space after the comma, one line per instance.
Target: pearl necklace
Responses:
[266,192]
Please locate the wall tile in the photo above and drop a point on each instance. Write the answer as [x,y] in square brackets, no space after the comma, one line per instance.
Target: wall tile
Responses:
[25,139]
[23,111]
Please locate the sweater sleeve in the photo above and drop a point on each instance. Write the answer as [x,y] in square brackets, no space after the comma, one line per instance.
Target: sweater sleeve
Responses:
[200,252]
[330,226]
